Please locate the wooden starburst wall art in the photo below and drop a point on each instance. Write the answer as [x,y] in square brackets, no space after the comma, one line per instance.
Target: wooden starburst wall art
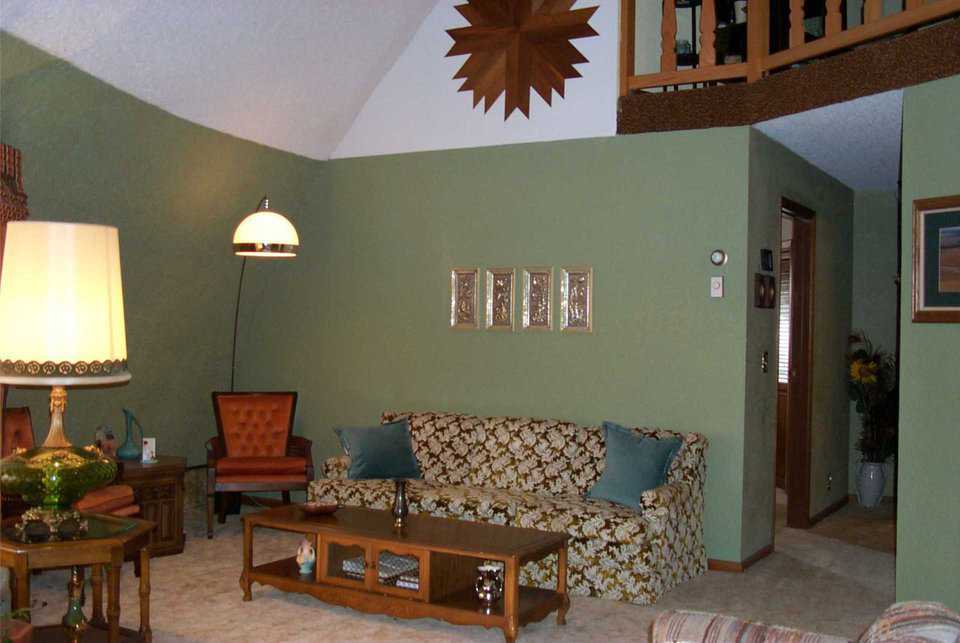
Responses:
[514,46]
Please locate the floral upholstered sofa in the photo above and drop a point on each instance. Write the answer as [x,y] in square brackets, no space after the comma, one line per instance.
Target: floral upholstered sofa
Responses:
[534,473]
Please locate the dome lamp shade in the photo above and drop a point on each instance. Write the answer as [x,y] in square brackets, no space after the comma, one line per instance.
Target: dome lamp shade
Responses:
[266,234]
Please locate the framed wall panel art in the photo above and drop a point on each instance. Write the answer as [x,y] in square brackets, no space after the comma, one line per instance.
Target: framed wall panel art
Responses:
[576,299]
[537,307]
[463,298]
[936,259]
[499,299]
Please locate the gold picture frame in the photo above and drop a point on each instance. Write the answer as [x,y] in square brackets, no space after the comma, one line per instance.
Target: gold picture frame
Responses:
[576,299]
[936,260]
[464,284]
[501,288]
[537,303]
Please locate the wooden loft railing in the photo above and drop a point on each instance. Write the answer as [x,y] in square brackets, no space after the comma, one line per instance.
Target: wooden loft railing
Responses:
[702,68]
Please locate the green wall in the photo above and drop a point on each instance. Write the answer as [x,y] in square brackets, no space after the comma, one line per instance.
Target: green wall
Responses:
[92,153]
[776,172]
[874,292]
[928,524]
[359,323]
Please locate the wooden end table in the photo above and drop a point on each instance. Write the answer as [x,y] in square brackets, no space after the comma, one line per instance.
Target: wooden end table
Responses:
[158,489]
[108,540]
[444,552]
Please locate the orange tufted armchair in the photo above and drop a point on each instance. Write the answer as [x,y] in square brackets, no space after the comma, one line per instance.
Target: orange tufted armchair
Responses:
[255,449]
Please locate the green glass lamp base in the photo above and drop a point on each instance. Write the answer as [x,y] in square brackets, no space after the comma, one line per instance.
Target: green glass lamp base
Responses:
[56,477]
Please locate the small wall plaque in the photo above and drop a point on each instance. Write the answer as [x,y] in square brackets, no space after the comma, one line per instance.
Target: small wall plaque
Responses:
[463,298]
[537,298]
[576,299]
[500,288]
[764,291]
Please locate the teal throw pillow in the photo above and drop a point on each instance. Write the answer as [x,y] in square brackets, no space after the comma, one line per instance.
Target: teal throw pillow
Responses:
[634,464]
[383,451]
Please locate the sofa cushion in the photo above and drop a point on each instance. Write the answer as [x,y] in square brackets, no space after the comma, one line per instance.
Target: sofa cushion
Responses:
[266,465]
[464,503]
[633,464]
[540,456]
[583,519]
[373,494]
[468,503]
[379,452]
[442,443]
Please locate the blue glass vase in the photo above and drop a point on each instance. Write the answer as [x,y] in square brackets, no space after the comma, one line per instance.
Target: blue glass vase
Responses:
[132,448]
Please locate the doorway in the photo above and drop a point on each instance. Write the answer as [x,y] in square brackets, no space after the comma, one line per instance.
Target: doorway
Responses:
[795,363]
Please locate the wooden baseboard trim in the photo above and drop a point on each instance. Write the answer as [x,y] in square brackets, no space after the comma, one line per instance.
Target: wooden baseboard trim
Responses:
[837,506]
[739,567]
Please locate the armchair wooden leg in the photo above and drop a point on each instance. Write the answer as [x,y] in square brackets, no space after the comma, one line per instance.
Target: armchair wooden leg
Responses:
[222,509]
[210,498]
[286,497]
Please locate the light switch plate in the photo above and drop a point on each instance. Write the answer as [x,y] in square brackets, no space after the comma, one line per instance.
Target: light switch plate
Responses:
[716,287]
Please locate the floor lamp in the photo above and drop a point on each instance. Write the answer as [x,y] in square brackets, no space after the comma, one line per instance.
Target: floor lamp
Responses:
[263,234]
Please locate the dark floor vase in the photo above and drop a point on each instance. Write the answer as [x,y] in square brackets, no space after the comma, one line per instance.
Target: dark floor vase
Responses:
[871,480]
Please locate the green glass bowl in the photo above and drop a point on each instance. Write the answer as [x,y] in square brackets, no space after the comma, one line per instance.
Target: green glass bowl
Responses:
[56,477]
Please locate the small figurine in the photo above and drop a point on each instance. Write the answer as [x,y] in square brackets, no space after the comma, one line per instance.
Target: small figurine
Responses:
[105,440]
[306,557]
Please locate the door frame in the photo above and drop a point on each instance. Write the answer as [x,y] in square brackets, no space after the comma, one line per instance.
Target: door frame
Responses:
[800,389]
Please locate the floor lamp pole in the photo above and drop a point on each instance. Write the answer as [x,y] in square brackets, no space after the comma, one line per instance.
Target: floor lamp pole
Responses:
[236,321]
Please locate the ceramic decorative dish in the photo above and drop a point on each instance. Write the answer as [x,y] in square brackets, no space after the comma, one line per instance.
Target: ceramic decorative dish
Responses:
[320,508]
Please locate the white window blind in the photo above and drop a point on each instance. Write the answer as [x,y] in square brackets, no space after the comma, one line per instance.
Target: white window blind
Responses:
[783,368]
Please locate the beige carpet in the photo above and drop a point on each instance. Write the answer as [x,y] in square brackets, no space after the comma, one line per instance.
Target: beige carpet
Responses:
[811,582]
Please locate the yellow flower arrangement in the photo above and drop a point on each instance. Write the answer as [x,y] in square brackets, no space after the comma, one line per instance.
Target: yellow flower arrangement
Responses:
[863,372]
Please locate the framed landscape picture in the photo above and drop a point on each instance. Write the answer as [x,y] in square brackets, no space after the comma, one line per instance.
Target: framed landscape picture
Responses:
[936,259]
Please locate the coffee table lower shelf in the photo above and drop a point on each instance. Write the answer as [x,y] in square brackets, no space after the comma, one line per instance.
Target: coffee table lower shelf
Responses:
[459,608]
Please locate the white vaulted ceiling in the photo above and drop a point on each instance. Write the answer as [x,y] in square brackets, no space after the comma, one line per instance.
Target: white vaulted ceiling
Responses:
[291,74]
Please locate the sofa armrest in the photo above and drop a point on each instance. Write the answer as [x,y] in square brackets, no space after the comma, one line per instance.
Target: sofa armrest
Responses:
[664,504]
[336,468]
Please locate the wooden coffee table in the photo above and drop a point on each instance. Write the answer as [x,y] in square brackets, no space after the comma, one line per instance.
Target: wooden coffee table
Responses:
[427,570]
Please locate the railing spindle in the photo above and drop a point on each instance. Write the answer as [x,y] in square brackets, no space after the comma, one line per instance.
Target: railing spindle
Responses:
[834,21]
[872,10]
[796,23]
[758,38]
[708,33]
[668,35]
[628,33]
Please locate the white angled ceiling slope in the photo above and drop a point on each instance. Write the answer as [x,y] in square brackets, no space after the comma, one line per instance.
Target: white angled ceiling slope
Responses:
[857,142]
[291,74]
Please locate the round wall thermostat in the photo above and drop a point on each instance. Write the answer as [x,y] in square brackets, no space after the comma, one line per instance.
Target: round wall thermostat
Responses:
[718,257]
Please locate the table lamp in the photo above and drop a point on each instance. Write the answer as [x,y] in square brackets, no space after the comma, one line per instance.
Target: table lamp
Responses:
[61,325]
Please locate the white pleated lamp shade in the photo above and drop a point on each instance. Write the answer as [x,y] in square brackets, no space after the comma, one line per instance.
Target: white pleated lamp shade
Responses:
[61,306]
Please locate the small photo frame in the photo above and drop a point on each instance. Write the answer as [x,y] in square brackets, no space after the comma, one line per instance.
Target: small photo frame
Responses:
[149,451]
[537,308]
[500,289]
[576,299]
[936,260]
[764,291]
[766,259]
[463,298]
